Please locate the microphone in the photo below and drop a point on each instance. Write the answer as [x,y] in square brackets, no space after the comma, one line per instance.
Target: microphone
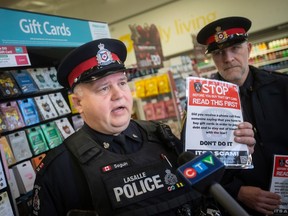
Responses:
[203,173]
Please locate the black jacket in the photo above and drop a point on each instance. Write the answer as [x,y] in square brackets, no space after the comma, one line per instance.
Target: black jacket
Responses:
[264,98]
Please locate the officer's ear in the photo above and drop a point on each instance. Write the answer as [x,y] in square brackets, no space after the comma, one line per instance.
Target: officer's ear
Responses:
[76,97]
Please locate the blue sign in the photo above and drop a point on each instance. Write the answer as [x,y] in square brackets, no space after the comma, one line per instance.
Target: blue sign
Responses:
[34,29]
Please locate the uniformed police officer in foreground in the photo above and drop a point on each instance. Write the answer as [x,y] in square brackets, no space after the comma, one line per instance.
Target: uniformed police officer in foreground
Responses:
[113,165]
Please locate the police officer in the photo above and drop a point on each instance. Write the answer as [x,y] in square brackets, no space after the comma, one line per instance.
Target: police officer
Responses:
[113,165]
[264,98]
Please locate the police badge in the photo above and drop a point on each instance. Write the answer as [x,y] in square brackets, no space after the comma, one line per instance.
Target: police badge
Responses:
[220,36]
[104,56]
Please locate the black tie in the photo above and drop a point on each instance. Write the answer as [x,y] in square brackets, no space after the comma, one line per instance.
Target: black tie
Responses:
[120,139]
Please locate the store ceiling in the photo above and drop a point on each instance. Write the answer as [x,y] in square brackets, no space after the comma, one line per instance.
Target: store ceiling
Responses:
[110,11]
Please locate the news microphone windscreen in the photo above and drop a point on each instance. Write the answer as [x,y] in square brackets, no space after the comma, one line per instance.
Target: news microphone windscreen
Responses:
[185,157]
[202,171]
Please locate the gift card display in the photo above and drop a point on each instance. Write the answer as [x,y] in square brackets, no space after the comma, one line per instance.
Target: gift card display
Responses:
[45,107]
[65,127]
[8,85]
[12,115]
[51,76]
[5,205]
[39,78]
[77,121]
[37,140]
[24,81]
[3,183]
[25,176]
[3,126]
[35,161]
[19,145]
[13,184]
[7,151]
[29,111]
[59,103]
[52,134]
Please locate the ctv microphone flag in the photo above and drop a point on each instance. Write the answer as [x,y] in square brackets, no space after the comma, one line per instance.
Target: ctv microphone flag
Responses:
[202,170]
[202,173]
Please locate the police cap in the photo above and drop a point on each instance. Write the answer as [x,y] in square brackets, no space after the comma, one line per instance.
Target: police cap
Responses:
[92,61]
[224,32]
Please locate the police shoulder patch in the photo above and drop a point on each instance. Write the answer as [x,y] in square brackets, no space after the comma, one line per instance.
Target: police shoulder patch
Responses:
[51,156]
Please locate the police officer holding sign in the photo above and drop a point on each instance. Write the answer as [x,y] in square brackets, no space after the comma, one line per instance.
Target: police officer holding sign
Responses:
[264,99]
[113,165]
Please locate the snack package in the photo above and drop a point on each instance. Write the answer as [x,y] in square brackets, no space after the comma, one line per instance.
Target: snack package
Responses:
[163,84]
[170,108]
[140,88]
[149,111]
[160,110]
[151,87]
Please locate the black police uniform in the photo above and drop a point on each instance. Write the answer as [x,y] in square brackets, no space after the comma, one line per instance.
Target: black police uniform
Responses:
[264,97]
[88,172]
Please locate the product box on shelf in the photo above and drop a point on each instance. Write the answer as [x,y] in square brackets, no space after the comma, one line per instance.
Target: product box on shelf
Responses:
[149,111]
[25,176]
[37,140]
[8,85]
[59,103]
[12,115]
[52,134]
[36,160]
[29,111]
[45,107]
[160,110]
[51,77]
[40,78]
[13,184]
[24,81]
[20,146]
[77,121]
[10,159]
[65,127]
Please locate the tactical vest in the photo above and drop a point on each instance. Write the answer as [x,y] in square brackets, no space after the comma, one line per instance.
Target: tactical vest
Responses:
[141,183]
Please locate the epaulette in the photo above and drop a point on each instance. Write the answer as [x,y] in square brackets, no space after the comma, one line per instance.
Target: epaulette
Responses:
[51,156]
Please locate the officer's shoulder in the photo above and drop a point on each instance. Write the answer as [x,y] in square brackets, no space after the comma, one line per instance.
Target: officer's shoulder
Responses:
[50,157]
[150,126]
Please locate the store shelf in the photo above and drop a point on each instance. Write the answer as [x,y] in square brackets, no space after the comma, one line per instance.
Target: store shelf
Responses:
[263,52]
[270,62]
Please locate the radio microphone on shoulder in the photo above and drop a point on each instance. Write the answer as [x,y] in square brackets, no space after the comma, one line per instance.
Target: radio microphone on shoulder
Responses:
[203,173]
